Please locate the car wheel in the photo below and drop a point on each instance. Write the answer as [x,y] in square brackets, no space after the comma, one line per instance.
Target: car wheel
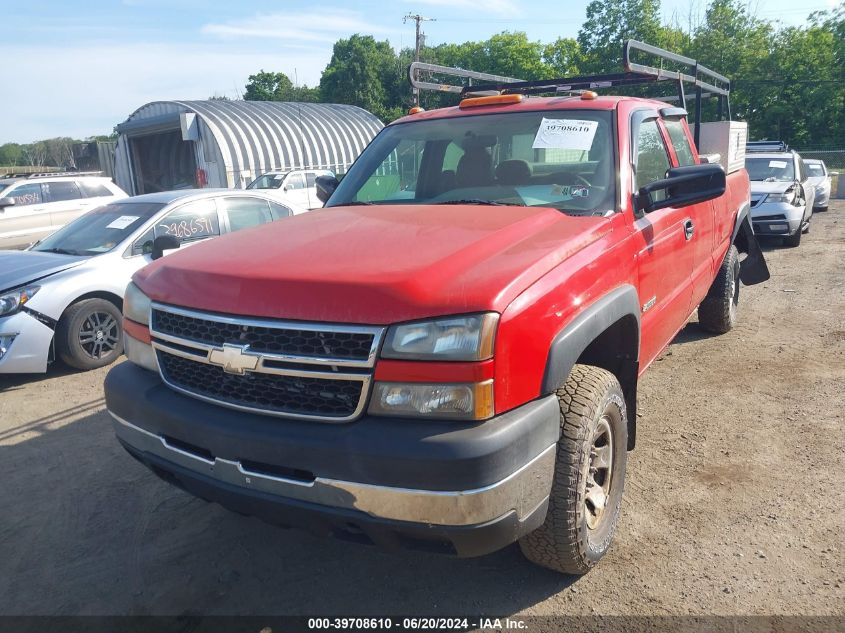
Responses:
[90,334]
[718,312]
[589,477]
[794,240]
[819,209]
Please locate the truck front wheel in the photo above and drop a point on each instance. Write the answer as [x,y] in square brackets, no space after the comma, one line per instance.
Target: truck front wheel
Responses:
[718,311]
[589,477]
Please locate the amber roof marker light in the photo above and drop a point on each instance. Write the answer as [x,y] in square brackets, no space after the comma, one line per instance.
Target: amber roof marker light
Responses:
[477,102]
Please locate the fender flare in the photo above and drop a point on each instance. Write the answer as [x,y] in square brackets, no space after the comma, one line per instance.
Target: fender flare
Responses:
[572,340]
[576,337]
[752,269]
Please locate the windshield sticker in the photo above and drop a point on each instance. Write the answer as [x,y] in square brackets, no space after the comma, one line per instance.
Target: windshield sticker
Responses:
[780,164]
[565,134]
[566,191]
[278,176]
[122,222]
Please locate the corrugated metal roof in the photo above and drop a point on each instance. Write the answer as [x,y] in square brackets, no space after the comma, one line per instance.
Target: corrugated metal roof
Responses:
[257,136]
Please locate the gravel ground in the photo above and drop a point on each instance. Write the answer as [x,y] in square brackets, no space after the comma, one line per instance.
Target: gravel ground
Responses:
[735,499]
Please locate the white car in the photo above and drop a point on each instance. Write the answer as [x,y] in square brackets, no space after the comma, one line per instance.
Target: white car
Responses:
[63,296]
[295,185]
[819,177]
[34,206]
[782,199]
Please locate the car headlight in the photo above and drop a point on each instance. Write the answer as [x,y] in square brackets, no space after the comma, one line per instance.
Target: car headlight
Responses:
[788,196]
[449,401]
[464,338]
[11,302]
[136,305]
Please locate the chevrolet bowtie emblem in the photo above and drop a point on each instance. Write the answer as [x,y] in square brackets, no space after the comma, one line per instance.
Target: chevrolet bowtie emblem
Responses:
[234,358]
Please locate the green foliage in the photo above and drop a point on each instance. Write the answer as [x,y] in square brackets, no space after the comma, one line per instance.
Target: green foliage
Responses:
[611,22]
[268,86]
[362,72]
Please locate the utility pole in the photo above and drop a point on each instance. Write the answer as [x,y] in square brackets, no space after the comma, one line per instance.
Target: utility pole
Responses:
[416,17]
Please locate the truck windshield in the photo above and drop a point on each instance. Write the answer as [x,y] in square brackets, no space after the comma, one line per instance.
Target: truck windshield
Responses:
[770,169]
[100,230]
[559,159]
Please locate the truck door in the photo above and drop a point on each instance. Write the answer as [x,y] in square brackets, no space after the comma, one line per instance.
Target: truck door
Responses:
[665,254]
[702,215]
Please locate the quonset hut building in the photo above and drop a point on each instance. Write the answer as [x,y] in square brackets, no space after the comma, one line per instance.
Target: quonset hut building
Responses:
[182,144]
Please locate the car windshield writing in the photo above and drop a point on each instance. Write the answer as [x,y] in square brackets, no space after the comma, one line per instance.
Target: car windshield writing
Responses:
[815,170]
[101,230]
[559,159]
[770,169]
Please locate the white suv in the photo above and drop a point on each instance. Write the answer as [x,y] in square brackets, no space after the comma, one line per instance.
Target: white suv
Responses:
[34,206]
[294,185]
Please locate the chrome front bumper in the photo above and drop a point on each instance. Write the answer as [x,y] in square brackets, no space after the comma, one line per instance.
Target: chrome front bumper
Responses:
[522,492]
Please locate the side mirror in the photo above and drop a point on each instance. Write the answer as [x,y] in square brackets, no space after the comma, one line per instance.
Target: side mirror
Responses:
[325,187]
[164,243]
[6,202]
[682,187]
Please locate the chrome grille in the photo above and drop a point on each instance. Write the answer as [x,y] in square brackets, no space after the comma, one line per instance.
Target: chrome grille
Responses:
[313,371]
[263,338]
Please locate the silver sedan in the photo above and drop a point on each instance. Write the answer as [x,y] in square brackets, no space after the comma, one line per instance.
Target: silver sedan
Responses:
[63,297]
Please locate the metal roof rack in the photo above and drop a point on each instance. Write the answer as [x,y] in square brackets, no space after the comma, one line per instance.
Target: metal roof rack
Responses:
[49,174]
[766,146]
[706,83]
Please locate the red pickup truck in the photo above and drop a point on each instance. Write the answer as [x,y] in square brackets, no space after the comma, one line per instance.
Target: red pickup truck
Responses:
[446,356]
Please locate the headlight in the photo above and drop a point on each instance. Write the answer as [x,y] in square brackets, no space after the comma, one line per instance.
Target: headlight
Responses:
[12,301]
[453,401]
[136,305]
[788,196]
[465,338]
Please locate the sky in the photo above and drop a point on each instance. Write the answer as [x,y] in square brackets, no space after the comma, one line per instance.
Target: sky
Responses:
[77,68]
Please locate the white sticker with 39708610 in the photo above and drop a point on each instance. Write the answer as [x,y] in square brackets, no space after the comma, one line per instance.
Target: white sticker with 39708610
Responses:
[777,164]
[122,222]
[565,134]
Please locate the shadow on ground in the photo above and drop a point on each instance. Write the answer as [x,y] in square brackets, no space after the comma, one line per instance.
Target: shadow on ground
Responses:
[94,532]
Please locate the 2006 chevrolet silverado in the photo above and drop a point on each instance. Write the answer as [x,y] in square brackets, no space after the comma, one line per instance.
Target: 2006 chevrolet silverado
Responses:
[446,356]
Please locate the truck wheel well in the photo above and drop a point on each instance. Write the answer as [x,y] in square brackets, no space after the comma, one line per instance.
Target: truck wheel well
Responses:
[616,349]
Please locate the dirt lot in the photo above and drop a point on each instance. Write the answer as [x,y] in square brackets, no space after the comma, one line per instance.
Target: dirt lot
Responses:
[735,500]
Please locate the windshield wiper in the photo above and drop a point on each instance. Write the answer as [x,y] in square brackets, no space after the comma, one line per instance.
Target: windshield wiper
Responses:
[492,203]
[60,251]
[355,203]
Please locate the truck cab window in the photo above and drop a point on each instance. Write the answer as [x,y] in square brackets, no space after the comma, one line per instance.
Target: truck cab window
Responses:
[680,142]
[652,161]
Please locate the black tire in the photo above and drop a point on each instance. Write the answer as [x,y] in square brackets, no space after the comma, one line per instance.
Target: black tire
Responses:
[819,209]
[794,240]
[90,334]
[574,537]
[718,312]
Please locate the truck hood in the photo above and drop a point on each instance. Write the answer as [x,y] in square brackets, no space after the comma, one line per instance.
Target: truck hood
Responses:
[373,264]
[22,267]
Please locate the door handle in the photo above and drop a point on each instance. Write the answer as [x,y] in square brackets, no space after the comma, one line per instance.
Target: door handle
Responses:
[689,229]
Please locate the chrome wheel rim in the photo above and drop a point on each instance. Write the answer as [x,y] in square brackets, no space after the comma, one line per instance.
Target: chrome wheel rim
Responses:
[99,335]
[599,474]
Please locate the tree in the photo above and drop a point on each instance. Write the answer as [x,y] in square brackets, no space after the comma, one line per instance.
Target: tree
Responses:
[562,57]
[608,24]
[362,72]
[11,154]
[268,86]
